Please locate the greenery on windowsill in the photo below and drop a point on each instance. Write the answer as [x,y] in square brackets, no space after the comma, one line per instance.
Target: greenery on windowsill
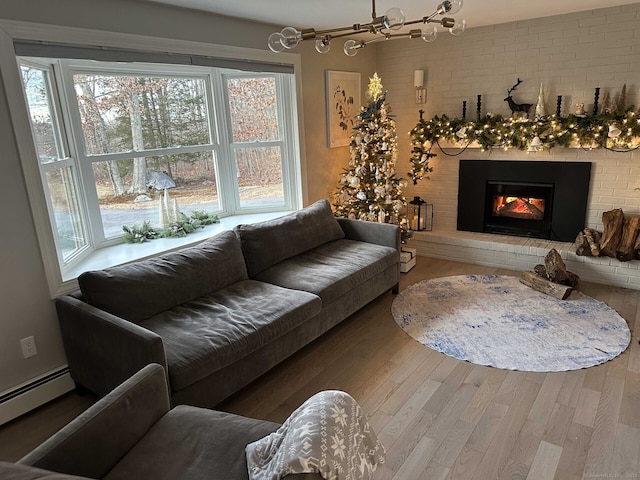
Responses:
[186,224]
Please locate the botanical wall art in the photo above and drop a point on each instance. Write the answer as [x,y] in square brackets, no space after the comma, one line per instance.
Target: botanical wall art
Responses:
[343,104]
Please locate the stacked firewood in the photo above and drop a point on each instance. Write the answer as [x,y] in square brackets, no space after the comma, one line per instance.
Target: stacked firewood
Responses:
[618,239]
[552,278]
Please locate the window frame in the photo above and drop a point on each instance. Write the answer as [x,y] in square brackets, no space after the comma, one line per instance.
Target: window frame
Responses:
[85,161]
[60,283]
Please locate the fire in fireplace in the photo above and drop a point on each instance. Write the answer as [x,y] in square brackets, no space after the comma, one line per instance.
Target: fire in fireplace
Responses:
[536,199]
[518,208]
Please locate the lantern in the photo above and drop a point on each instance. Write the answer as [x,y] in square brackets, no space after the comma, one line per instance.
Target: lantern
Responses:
[420,214]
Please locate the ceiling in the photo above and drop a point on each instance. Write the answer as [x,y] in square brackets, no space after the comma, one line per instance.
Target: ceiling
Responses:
[333,13]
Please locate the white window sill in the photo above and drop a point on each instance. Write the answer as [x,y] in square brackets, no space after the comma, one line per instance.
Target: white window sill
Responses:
[129,252]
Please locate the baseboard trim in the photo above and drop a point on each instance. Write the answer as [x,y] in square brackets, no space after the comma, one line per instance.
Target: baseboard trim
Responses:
[32,394]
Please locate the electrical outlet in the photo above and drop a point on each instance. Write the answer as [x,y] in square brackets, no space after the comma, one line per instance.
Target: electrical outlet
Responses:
[28,347]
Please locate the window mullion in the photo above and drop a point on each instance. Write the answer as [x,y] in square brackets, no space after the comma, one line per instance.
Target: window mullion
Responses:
[290,149]
[149,153]
[228,171]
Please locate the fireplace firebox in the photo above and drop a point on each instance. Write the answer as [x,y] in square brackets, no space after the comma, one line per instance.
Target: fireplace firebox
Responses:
[532,199]
[518,208]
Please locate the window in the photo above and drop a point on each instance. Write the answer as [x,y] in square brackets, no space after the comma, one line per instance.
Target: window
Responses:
[58,170]
[113,139]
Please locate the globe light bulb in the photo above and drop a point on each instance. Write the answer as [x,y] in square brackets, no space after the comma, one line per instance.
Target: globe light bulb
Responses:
[453,6]
[458,28]
[275,42]
[394,19]
[429,33]
[290,37]
[351,48]
[323,45]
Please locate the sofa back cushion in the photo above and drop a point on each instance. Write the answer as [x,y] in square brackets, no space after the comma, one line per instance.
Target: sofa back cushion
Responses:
[142,289]
[266,243]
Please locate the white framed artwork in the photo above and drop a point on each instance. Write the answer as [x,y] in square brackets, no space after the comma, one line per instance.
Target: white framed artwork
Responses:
[343,106]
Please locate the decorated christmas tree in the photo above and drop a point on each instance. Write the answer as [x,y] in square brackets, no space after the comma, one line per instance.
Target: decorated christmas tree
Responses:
[369,188]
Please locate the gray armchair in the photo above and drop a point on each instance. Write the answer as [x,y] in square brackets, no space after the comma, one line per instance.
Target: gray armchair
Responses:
[133,433]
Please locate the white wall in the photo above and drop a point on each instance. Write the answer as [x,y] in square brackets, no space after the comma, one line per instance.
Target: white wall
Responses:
[570,54]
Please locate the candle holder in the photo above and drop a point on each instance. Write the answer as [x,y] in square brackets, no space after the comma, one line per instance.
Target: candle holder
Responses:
[559,106]
[420,215]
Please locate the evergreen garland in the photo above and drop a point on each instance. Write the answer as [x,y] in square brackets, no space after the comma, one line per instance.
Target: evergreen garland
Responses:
[186,224]
[420,152]
[369,189]
[500,132]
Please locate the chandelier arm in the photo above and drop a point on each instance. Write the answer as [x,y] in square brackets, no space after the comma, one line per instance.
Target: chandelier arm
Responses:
[423,20]
[354,29]
[340,35]
[389,36]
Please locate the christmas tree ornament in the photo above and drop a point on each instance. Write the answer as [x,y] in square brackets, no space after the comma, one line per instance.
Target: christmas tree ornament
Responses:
[540,111]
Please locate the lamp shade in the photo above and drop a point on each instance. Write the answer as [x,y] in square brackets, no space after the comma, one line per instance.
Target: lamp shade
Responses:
[418,78]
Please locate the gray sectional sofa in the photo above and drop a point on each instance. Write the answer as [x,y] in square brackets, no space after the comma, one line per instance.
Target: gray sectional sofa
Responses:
[218,315]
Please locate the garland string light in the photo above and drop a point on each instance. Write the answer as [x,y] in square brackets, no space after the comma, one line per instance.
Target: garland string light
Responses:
[617,132]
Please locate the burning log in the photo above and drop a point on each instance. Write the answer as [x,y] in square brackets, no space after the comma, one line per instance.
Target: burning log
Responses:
[545,286]
[626,249]
[613,222]
[520,208]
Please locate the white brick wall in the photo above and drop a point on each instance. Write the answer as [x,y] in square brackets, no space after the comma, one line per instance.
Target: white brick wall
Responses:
[570,55]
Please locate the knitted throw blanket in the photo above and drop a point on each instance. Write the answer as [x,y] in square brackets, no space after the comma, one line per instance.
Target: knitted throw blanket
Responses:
[328,434]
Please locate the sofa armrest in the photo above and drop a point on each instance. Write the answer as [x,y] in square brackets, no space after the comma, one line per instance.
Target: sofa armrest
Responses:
[103,350]
[384,234]
[93,443]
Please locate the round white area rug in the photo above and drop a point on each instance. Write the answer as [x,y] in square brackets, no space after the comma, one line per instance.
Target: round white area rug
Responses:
[495,320]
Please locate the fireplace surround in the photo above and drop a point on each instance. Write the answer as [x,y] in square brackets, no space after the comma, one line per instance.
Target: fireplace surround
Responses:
[535,199]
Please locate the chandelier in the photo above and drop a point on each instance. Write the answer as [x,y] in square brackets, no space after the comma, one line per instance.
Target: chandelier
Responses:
[380,27]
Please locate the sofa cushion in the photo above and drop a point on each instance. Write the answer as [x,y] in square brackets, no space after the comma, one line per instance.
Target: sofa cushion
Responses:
[266,243]
[209,333]
[193,443]
[332,269]
[142,289]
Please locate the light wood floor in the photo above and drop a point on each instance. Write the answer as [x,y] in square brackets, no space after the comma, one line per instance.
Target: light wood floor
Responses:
[438,417]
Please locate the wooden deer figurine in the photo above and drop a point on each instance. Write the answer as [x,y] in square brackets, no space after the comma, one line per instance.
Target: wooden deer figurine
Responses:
[517,107]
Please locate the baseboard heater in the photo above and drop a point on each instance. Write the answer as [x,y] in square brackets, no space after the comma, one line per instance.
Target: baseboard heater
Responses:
[34,393]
